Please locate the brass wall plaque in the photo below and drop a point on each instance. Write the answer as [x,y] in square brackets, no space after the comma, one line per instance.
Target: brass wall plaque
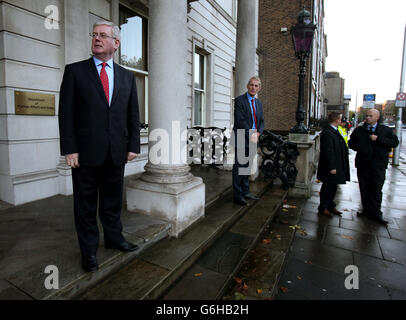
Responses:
[32,103]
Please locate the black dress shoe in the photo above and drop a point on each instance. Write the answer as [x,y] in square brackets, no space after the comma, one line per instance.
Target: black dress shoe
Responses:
[241,202]
[379,220]
[251,196]
[89,264]
[125,246]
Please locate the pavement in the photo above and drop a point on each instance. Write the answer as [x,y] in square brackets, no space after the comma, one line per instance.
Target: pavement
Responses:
[323,247]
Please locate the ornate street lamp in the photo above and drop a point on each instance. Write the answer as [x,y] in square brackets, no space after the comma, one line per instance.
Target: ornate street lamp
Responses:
[302,35]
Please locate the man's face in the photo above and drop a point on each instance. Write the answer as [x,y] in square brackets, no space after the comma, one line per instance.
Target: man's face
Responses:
[253,87]
[372,117]
[104,49]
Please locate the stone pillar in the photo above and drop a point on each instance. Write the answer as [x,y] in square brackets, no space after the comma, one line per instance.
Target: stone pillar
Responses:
[246,44]
[306,163]
[167,189]
[246,51]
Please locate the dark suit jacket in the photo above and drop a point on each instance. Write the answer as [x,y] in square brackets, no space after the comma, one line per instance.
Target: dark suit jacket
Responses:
[333,155]
[87,125]
[372,154]
[243,117]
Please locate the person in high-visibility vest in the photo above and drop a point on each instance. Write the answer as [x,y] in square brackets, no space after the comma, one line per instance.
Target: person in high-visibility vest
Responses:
[343,131]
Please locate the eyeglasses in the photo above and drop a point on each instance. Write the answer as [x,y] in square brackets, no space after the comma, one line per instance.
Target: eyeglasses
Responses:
[100,35]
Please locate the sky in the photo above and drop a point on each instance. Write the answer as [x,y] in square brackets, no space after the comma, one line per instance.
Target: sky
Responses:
[365,45]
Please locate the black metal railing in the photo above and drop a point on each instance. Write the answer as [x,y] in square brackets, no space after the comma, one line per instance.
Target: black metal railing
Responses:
[278,158]
[207,145]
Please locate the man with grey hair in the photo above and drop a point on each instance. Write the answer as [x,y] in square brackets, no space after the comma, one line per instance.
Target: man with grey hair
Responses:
[99,132]
[249,118]
[373,142]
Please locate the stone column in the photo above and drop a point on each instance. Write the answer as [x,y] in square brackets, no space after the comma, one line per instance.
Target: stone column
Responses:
[246,44]
[245,64]
[167,189]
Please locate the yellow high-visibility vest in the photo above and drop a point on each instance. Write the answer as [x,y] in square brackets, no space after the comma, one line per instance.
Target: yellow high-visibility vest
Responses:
[343,133]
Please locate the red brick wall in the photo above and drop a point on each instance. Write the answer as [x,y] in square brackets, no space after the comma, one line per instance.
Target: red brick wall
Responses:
[279,68]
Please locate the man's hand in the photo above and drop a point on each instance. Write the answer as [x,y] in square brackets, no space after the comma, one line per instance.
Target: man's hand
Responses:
[333,171]
[254,137]
[131,156]
[373,137]
[72,160]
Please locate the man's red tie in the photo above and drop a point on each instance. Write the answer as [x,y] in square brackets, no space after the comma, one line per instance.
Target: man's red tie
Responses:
[255,116]
[105,81]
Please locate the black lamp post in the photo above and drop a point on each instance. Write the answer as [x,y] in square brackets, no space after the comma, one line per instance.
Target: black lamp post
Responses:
[302,35]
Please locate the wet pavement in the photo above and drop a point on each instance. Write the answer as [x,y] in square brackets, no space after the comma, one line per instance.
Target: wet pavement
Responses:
[316,261]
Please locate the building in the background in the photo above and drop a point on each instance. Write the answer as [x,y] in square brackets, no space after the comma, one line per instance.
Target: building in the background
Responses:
[347,100]
[279,67]
[388,111]
[334,92]
[184,54]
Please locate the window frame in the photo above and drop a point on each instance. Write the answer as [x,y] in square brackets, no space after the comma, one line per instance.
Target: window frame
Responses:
[136,71]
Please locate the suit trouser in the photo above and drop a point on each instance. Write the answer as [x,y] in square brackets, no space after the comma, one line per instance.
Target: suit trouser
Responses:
[101,185]
[240,181]
[327,194]
[371,182]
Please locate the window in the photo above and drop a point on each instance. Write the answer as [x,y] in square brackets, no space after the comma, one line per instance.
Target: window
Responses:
[199,90]
[133,53]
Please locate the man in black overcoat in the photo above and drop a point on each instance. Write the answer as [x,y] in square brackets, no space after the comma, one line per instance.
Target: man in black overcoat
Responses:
[333,168]
[373,143]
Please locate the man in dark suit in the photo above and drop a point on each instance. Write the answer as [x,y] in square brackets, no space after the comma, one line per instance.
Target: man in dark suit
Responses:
[333,168]
[373,142]
[99,133]
[249,117]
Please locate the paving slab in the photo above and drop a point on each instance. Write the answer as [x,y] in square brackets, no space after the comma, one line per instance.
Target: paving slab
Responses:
[397,234]
[311,230]
[321,219]
[316,253]
[362,225]
[9,292]
[381,272]
[316,283]
[393,250]
[353,240]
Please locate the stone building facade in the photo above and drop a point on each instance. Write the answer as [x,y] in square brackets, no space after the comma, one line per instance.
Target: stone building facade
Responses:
[190,58]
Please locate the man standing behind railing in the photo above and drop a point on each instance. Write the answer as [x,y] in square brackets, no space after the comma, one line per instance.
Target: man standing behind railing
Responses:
[248,115]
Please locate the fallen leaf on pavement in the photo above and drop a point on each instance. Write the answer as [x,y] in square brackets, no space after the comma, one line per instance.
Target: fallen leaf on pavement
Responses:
[300,278]
[198,274]
[285,210]
[317,181]
[287,206]
[245,286]
[284,289]
[346,237]
[239,296]
[238,280]
[295,227]
[259,291]
[266,241]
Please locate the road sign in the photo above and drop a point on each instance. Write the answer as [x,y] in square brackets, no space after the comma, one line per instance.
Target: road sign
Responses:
[400,100]
[369,101]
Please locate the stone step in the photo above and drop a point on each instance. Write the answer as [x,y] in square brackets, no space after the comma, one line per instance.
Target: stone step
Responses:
[214,272]
[138,229]
[158,268]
